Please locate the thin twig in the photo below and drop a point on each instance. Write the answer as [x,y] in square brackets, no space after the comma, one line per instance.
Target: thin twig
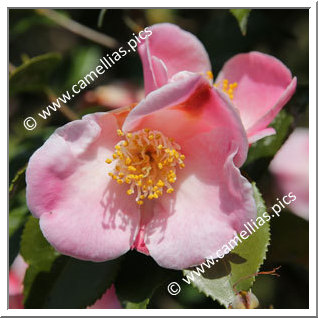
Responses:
[78,28]
[135,27]
[272,272]
[65,110]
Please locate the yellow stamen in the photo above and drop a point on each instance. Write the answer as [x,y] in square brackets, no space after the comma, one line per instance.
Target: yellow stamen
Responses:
[120,133]
[147,161]
[209,74]
[228,88]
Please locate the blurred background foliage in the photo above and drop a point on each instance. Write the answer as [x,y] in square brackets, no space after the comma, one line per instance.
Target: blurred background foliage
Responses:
[70,56]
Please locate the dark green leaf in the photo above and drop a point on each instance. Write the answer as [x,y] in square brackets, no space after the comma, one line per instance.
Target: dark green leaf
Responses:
[241,16]
[72,283]
[33,75]
[18,215]
[139,277]
[245,259]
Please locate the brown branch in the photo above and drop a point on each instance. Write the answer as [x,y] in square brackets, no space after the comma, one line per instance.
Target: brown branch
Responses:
[78,28]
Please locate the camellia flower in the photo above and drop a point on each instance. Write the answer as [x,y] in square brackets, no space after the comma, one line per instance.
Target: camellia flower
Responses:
[244,300]
[290,167]
[171,185]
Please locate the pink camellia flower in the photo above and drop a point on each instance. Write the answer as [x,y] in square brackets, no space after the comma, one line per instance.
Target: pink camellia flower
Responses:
[171,186]
[290,167]
[258,85]
[16,277]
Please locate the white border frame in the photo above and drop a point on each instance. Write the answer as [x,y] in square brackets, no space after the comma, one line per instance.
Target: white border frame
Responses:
[312,162]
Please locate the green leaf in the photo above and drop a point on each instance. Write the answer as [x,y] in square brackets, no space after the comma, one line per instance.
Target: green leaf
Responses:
[82,61]
[36,251]
[141,305]
[241,16]
[139,277]
[245,259]
[33,74]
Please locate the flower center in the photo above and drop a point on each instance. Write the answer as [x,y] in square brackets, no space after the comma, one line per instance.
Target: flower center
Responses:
[147,161]
[228,88]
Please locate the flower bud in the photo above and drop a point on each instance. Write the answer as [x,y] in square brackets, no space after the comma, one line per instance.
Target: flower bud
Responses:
[244,300]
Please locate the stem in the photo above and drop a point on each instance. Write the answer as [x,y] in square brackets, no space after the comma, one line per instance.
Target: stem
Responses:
[272,272]
[78,28]
[65,110]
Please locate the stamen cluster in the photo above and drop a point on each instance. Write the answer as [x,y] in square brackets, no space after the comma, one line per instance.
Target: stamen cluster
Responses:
[228,88]
[146,160]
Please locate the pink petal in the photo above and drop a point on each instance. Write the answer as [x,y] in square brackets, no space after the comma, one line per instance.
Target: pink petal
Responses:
[290,167]
[212,201]
[184,108]
[108,301]
[265,85]
[16,276]
[16,301]
[82,212]
[177,49]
